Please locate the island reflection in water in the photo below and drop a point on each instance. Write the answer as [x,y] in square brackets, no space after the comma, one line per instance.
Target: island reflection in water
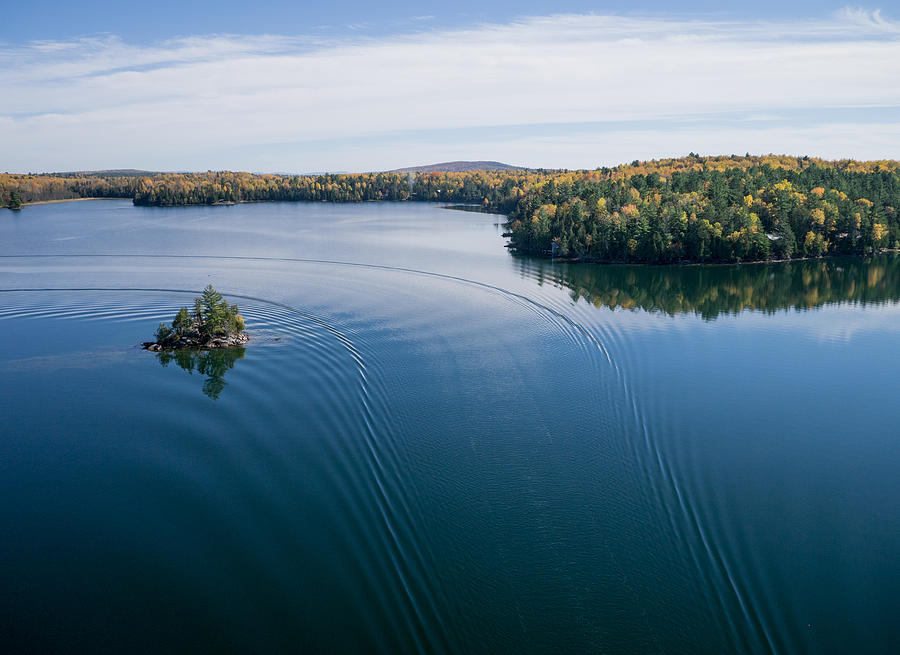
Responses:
[711,291]
[211,363]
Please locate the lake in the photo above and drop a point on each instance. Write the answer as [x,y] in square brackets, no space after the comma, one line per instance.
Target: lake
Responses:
[432,445]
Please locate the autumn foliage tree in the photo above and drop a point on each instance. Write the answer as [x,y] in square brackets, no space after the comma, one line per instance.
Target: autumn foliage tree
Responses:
[699,209]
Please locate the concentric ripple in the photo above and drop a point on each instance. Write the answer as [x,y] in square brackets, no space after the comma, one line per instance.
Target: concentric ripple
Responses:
[303,392]
[343,419]
[429,446]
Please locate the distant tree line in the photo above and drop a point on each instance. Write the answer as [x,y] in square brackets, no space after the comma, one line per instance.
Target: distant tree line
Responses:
[23,189]
[687,209]
[498,190]
[227,187]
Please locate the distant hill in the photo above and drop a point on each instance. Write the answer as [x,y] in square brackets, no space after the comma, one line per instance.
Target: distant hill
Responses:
[459,167]
[444,167]
[115,172]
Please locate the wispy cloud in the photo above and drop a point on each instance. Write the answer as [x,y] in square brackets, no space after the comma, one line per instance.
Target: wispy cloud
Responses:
[872,21]
[103,102]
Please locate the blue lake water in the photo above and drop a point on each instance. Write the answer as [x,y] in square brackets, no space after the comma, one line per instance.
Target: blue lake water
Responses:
[431,445]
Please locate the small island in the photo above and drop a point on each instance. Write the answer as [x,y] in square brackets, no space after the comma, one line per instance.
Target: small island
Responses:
[213,323]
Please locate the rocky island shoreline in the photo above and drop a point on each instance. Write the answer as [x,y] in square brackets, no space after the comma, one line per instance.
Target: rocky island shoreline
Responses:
[197,342]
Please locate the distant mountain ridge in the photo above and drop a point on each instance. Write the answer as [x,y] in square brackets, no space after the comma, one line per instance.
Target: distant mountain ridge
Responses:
[443,167]
[112,172]
[459,167]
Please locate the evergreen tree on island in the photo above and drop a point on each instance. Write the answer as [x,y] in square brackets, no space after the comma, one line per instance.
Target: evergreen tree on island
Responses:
[213,323]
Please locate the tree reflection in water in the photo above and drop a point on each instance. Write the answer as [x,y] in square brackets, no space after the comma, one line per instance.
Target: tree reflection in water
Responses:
[211,363]
[713,291]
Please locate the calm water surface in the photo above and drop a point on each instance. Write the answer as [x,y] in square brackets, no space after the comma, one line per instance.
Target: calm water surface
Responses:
[430,445]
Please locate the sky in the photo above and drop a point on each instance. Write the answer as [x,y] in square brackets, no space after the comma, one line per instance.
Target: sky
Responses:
[361,86]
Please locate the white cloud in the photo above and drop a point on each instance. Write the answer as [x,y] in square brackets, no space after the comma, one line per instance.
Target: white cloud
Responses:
[101,102]
[871,20]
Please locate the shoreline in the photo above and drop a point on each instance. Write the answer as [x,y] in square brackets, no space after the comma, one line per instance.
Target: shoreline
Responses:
[53,202]
[610,262]
[510,246]
[195,343]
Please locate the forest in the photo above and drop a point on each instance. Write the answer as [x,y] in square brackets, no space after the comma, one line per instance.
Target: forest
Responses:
[687,209]
[723,209]
[18,190]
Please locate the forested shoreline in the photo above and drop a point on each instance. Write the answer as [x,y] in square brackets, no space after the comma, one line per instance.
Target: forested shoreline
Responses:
[689,209]
[722,209]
